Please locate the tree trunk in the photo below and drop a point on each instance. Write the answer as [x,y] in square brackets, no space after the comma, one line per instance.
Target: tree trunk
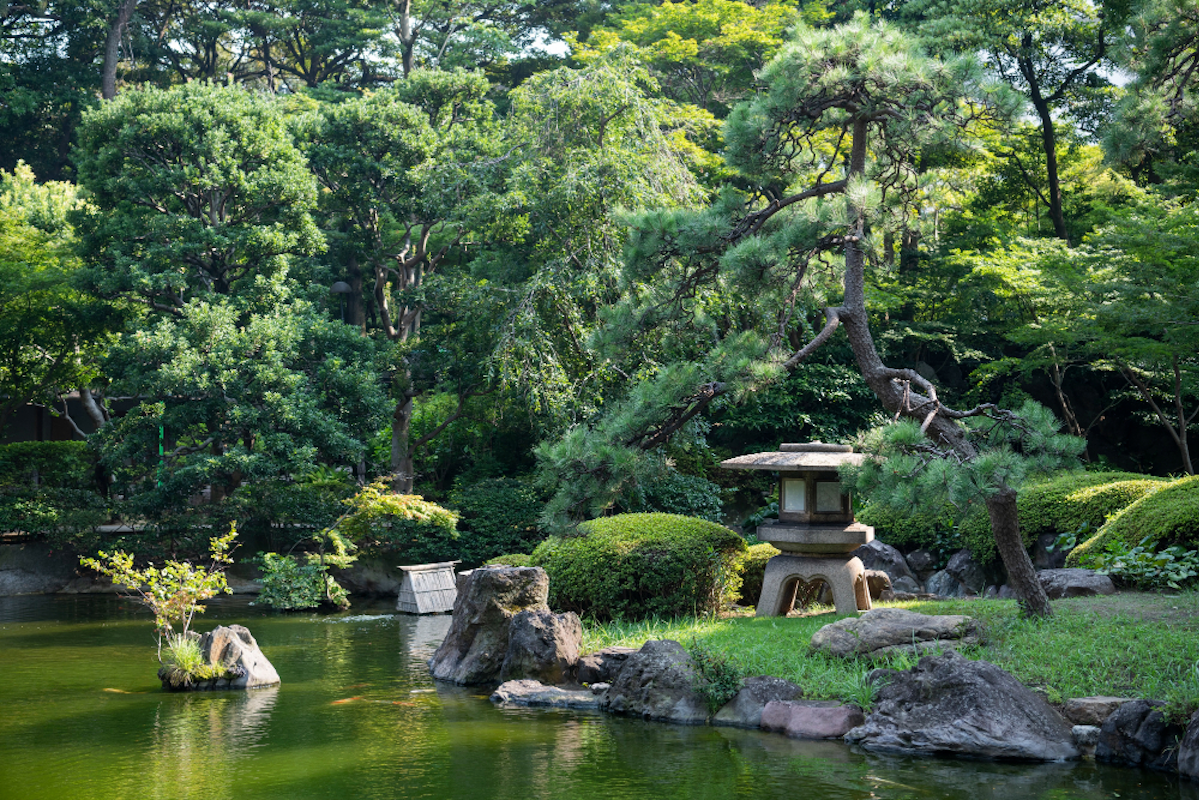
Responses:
[1049,144]
[401,454]
[1005,527]
[112,49]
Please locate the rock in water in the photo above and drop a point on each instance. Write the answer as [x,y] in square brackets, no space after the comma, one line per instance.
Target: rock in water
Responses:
[948,705]
[1138,733]
[233,648]
[885,630]
[1188,750]
[533,693]
[745,709]
[657,682]
[602,666]
[811,719]
[477,644]
[542,646]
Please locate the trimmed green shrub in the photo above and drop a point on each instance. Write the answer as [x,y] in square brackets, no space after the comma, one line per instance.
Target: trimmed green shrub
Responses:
[511,560]
[1060,505]
[909,529]
[496,516]
[1169,516]
[753,570]
[632,566]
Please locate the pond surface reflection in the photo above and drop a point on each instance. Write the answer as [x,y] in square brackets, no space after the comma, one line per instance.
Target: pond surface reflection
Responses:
[358,717]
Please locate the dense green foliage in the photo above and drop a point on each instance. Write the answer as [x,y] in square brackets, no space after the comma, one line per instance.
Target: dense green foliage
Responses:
[403,526]
[753,571]
[495,516]
[632,566]
[1076,503]
[1166,517]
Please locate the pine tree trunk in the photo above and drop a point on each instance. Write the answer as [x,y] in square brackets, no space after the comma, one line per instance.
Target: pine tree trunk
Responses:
[1005,527]
[401,456]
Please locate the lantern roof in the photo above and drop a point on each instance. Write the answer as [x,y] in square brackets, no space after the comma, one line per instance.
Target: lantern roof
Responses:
[798,457]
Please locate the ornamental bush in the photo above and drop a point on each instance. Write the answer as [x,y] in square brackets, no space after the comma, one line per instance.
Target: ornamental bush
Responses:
[632,566]
[510,560]
[1164,518]
[1062,504]
[910,529]
[753,571]
[405,526]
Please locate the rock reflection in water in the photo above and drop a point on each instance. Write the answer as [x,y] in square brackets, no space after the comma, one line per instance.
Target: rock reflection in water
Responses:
[200,737]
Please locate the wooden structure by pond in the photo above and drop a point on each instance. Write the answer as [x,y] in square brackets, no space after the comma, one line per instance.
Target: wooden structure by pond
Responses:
[428,588]
[815,530]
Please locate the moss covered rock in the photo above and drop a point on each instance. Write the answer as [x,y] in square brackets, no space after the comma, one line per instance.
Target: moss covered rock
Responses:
[1168,516]
[632,566]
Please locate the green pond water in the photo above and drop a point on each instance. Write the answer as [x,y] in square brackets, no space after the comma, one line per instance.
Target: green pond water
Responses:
[358,717]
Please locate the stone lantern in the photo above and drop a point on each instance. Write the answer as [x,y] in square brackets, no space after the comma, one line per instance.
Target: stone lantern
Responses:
[815,531]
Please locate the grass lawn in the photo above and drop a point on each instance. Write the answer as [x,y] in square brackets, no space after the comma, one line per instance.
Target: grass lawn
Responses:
[1129,644]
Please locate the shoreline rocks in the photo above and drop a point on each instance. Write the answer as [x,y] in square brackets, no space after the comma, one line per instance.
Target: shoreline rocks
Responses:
[888,630]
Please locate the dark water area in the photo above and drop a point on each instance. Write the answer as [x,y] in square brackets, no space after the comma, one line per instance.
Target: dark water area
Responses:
[358,717]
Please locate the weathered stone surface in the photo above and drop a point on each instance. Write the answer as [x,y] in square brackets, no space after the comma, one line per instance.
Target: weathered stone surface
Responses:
[1092,710]
[810,719]
[922,563]
[963,569]
[657,683]
[906,585]
[891,629]
[884,557]
[602,666]
[877,582]
[22,581]
[1137,733]
[1043,557]
[535,693]
[1188,749]
[542,646]
[950,705]
[477,644]
[234,648]
[745,709]
[943,584]
[1074,583]
[1086,737]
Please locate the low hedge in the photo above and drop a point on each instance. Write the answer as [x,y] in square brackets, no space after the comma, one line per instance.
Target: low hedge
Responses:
[632,566]
[1168,516]
[908,529]
[753,570]
[1061,504]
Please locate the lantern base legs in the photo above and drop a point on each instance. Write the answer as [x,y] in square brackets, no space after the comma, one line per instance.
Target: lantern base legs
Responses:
[786,575]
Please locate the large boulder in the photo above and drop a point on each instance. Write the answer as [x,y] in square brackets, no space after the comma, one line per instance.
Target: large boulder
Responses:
[745,709]
[966,572]
[658,683]
[1092,710]
[542,646]
[602,666]
[943,584]
[948,705]
[811,719]
[241,663]
[884,557]
[1139,734]
[888,630]
[1074,583]
[1188,749]
[923,563]
[534,693]
[476,646]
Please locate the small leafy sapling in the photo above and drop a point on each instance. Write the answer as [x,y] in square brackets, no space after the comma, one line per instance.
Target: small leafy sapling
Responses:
[174,591]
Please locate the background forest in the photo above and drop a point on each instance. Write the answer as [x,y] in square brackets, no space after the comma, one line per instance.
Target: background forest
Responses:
[545,261]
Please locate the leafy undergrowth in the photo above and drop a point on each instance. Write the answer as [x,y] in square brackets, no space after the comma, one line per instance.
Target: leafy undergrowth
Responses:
[1129,644]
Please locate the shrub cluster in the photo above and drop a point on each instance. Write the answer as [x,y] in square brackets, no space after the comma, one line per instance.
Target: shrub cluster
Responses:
[48,489]
[405,526]
[632,566]
[1061,505]
[753,570]
[1164,518]
[496,516]
[910,529]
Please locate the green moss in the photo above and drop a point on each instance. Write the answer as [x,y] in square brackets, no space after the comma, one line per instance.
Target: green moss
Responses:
[511,560]
[1168,516]
[637,565]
